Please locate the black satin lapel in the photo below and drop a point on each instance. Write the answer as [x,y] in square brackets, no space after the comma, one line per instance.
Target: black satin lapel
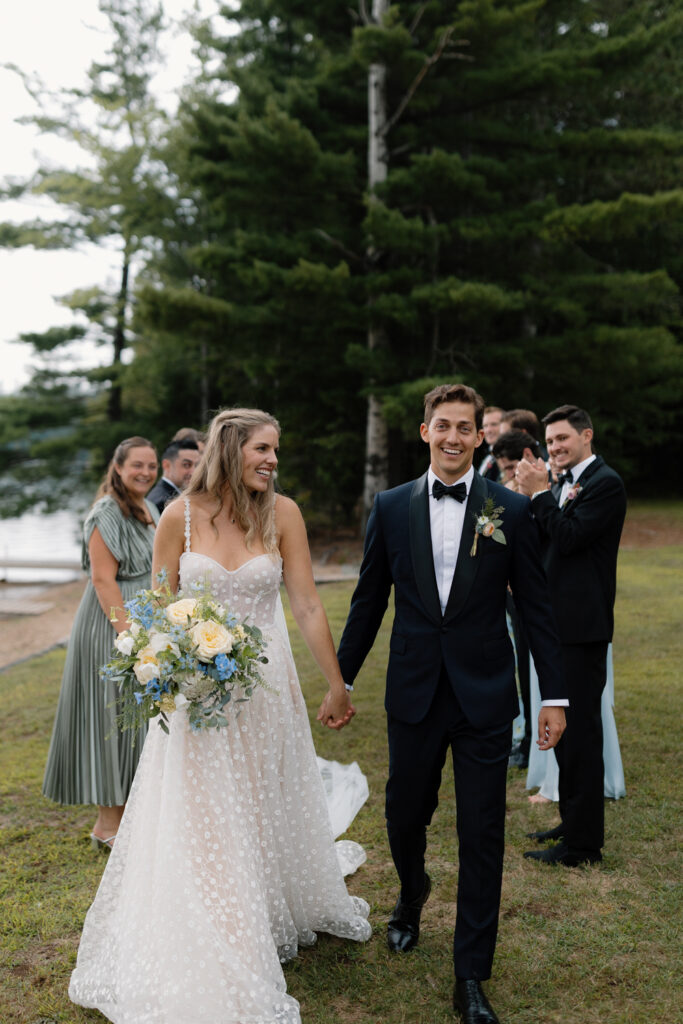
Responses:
[582,481]
[421,549]
[467,565]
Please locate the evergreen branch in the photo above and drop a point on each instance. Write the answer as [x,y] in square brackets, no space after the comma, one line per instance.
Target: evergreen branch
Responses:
[418,18]
[363,10]
[338,245]
[429,63]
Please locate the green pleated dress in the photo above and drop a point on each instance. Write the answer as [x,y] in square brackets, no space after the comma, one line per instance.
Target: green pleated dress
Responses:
[90,760]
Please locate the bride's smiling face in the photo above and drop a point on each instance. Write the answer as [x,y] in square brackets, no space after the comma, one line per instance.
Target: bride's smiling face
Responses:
[259,458]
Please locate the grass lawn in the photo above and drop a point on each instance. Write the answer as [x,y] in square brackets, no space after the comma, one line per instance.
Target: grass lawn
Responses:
[575,946]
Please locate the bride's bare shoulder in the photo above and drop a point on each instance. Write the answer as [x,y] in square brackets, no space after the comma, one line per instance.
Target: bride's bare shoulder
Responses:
[286,511]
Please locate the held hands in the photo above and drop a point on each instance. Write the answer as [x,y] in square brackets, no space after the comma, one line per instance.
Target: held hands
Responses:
[551,725]
[531,475]
[336,710]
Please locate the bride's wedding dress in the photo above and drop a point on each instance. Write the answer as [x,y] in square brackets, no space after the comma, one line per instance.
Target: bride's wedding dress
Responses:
[225,861]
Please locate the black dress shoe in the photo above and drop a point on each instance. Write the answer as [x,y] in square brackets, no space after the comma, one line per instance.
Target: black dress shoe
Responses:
[471,1003]
[403,929]
[550,833]
[561,854]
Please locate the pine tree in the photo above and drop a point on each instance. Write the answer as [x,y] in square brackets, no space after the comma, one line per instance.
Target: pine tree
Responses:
[523,238]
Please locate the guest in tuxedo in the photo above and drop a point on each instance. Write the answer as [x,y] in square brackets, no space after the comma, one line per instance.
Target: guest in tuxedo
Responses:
[178,463]
[451,672]
[491,427]
[581,518]
[523,419]
[190,434]
[511,446]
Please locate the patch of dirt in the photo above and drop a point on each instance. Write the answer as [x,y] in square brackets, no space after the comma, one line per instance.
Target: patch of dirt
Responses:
[651,531]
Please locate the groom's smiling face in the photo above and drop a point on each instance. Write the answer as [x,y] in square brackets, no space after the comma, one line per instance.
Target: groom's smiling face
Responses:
[452,437]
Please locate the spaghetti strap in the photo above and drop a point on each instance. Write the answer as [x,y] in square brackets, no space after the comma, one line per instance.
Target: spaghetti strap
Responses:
[187,523]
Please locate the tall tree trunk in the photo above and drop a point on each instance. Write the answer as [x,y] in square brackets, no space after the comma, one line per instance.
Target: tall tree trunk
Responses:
[376,434]
[114,404]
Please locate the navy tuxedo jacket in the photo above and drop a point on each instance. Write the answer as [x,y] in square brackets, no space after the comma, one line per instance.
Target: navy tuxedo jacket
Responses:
[471,639]
[580,547]
[162,493]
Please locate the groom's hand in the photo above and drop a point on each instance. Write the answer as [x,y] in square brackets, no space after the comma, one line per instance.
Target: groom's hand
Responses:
[336,710]
[551,725]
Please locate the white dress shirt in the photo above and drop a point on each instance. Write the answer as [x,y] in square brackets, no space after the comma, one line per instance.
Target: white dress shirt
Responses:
[446,520]
[576,472]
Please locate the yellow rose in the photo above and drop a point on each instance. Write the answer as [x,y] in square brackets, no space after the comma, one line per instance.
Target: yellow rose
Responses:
[488,529]
[211,639]
[146,668]
[179,612]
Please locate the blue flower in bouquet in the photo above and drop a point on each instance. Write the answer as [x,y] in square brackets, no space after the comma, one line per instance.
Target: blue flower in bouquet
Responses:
[225,666]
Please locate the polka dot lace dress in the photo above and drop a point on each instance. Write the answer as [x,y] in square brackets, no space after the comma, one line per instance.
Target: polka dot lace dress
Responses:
[225,861]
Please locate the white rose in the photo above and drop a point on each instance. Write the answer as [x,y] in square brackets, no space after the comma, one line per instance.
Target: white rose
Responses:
[162,642]
[146,668]
[211,639]
[135,628]
[124,642]
[179,612]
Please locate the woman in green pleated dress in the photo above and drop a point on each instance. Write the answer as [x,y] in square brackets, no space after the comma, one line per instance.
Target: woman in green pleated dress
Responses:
[90,760]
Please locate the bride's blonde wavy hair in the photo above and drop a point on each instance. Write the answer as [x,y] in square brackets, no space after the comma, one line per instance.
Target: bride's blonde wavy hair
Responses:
[221,466]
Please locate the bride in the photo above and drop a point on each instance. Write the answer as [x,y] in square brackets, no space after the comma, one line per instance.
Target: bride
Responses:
[224,863]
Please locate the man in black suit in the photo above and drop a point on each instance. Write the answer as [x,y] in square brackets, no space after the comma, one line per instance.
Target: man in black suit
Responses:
[449,543]
[581,518]
[493,417]
[178,463]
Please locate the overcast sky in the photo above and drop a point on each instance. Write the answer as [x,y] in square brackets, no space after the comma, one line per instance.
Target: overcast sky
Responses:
[58,41]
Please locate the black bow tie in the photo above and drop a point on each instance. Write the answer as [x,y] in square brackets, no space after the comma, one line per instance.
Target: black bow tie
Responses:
[457,491]
[565,478]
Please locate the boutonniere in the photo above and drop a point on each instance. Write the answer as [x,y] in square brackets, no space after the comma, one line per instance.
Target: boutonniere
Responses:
[488,524]
[573,492]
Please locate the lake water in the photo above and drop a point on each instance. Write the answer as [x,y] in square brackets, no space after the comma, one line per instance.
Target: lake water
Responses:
[54,536]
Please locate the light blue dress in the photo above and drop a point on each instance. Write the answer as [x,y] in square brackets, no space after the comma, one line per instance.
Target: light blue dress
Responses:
[543,769]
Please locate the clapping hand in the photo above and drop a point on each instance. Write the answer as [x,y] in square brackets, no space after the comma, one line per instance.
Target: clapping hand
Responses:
[531,475]
[336,710]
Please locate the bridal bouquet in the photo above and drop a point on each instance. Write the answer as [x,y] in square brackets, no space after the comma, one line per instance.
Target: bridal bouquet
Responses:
[183,653]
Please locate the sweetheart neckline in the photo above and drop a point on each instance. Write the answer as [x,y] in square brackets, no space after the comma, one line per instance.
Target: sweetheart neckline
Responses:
[230,572]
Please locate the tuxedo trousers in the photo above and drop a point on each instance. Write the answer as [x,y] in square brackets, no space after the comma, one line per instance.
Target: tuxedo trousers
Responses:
[579,752]
[417,754]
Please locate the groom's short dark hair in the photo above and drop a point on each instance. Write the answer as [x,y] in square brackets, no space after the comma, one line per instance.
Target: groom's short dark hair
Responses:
[454,393]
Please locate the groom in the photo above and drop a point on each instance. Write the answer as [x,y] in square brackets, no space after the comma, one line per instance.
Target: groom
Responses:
[451,673]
